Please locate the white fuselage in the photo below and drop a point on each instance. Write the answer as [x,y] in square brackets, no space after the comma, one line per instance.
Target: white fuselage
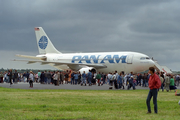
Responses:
[100,61]
[120,61]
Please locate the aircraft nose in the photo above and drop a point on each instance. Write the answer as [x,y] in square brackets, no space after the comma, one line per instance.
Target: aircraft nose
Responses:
[151,63]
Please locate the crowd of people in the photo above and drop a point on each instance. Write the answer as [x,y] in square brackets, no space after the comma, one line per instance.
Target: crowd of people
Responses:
[115,80]
[153,80]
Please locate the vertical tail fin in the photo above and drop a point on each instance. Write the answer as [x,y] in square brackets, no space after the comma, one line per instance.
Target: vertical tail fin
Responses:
[43,42]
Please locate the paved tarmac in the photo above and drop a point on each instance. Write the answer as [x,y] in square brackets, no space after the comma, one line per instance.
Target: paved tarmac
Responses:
[22,85]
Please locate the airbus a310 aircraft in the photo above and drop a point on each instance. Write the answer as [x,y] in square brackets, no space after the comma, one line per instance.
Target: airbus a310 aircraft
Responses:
[98,61]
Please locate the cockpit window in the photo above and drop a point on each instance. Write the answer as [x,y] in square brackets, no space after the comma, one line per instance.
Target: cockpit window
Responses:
[143,58]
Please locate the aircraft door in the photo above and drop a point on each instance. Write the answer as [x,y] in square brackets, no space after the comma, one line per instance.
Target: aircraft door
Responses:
[129,59]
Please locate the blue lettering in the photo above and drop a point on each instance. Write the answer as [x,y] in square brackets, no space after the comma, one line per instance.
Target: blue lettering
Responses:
[94,58]
[85,58]
[123,58]
[108,57]
[76,58]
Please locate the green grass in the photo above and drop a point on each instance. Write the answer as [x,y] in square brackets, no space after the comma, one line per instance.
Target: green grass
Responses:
[17,104]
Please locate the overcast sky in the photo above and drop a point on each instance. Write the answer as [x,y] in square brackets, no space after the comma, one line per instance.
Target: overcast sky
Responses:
[151,27]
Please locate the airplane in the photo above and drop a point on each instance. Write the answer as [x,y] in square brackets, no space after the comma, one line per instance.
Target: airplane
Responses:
[97,62]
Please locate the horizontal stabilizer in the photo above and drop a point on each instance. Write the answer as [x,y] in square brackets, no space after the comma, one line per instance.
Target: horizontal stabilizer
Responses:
[32,57]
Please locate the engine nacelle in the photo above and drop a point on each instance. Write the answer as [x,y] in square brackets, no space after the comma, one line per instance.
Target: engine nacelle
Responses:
[86,69]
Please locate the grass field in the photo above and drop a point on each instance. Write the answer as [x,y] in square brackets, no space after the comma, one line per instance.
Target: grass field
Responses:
[18,104]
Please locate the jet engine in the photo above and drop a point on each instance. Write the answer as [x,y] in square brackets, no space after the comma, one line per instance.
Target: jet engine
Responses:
[86,69]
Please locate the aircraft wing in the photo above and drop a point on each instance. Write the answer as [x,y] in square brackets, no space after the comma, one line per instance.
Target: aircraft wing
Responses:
[74,66]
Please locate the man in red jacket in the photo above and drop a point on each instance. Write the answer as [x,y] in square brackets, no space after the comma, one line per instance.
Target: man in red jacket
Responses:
[154,85]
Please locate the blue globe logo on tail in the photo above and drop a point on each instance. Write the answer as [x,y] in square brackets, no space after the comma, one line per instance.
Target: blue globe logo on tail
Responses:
[43,42]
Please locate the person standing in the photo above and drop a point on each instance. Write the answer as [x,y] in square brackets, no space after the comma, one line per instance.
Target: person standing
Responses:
[98,77]
[49,77]
[109,76]
[52,79]
[177,80]
[10,76]
[76,77]
[72,78]
[131,84]
[93,80]
[116,75]
[5,77]
[27,75]
[172,85]
[138,79]
[113,77]
[56,78]
[89,77]
[144,77]
[119,80]
[24,77]
[154,85]
[39,74]
[45,77]
[79,78]
[126,79]
[42,77]
[103,76]
[66,77]
[83,78]
[61,77]
[31,79]
[162,82]
[166,83]
[1,77]
[36,77]
[15,77]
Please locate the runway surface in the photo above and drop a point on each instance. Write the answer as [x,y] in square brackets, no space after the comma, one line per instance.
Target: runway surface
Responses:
[22,85]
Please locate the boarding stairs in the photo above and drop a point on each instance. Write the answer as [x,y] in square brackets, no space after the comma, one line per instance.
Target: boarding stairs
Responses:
[161,68]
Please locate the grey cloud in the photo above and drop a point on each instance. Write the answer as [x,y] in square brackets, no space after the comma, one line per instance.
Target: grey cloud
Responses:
[150,27]
[159,19]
